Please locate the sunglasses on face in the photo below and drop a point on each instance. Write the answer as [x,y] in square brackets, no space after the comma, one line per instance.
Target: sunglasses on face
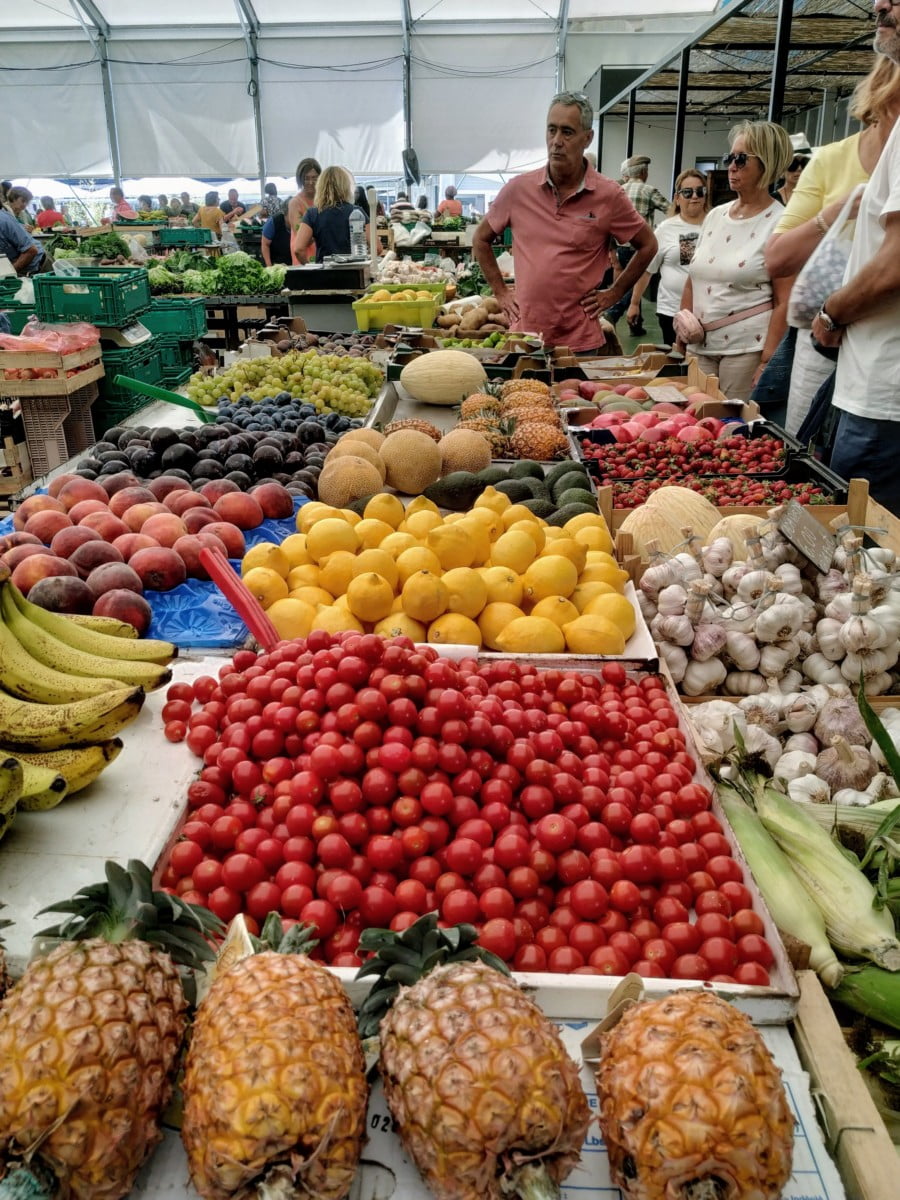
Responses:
[797,165]
[690,193]
[739,160]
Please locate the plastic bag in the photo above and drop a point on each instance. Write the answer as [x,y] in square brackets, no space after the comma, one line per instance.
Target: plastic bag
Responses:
[37,338]
[135,249]
[824,270]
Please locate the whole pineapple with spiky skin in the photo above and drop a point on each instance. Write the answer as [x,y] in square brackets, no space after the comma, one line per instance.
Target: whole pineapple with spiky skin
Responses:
[488,1103]
[90,1038]
[275,1088]
[692,1106]
[538,440]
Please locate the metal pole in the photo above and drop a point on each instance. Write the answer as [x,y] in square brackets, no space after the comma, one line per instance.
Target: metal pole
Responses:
[680,111]
[599,145]
[562,34]
[780,62]
[407,89]
[257,112]
[629,128]
[112,128]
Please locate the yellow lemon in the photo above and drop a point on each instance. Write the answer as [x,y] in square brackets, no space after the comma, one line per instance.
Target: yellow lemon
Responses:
[295,549]
[385,507]
[341,602]
[328,536]
[594,635]
[400,625]
[516,512]
[452,546]
[370,597]
[615,608]
[292,618]
[557,608]
[586,592]
[604,573]
[380,561]
[534,531]
[424,597]
[491,498]
[421,523]
[503,585]
[417,558]
[552,532]
[336,620]
[489,519]
[479,537]
[532,635]
[372,532]
[467,591]
[494,618]
[315,510]
[550,576]
[601,541]
[600,556]
[351,517]
[336,571]
[514,549]
[592,537]
[454,629]
[422,504]
[266,585]
[396,543]
[305,576]
[266,555]
[397,606]
[315,596]
[568,548]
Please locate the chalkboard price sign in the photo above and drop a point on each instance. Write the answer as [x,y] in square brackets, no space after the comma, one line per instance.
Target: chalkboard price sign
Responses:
[813,540]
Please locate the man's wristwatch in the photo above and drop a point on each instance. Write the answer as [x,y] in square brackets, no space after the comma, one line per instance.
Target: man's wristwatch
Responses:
[829,322]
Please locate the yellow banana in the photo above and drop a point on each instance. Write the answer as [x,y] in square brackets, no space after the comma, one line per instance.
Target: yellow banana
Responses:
[33,727]
[78,765]
[22,675]
[48,649]
[91,641]
[108,625]
[6,820]
[11,778]
[42,788]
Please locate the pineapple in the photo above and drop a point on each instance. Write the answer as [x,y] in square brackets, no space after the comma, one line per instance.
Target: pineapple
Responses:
[692,1105]
[479,404]
[494,431]
[414,423]
[538,440]
[90,1038]
[487,1101]
[534,386]
[4,973]
[275,1089]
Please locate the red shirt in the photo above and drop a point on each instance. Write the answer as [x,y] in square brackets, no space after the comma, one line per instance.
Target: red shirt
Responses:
[453,207]
[561,250]
[49,216]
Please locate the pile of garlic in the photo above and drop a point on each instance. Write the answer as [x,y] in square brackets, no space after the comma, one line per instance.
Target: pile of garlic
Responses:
[742,627]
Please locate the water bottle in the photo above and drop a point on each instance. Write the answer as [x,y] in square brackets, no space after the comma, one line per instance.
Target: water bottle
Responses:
[357,234]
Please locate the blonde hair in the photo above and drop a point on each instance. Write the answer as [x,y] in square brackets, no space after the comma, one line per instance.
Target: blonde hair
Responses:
[674,208]
[875,97]
[333,188]
[769,143]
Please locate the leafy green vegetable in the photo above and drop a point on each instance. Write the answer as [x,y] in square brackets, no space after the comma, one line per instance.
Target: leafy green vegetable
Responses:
[163,282]
[240,275]
[275,276]
[62,241]
[105,245]
[197,281]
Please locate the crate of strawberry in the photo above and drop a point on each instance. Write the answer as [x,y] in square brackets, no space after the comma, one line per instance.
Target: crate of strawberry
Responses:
[764,456]
[727,491]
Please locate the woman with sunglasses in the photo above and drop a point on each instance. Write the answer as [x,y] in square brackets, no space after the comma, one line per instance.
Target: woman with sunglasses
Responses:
[734,314]
[677,236]
[791,178]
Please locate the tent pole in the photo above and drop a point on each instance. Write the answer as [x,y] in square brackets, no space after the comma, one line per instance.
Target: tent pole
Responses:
[780,62]
[562,34]
[629,126]
[407,89]
[250,26]
[680,110]
[100,45]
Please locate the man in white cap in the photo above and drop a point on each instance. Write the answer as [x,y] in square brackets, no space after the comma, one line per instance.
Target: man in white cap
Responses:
[648,200]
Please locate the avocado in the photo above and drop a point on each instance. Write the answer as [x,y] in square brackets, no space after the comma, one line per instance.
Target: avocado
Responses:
[563,468]
[575,495]
[571,479]
[359,506]
[540,508]
[562,515]
[526,466]
[516,489]
[493,475]
[457,491]
[539,489]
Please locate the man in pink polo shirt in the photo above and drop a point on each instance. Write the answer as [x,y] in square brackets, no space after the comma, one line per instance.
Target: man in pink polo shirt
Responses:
[562,217]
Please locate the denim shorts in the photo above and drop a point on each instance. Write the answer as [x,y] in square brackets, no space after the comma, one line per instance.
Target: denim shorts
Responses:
[869,449]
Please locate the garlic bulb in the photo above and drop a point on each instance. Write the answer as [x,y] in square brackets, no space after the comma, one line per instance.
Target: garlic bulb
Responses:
[793,764]
[646,605]
[839,717]
[860,633]
[742,650]
[677,630]
[744,683]
[779,622]
[760,744]
[828,635]
[791,582]
[820,670]
[839,607]
[876,662]
[763,710]
[775,659]
[709,640]
[882,787]
[675,659]
[701,678]
[690,569]
[733,576]
[831,585]
[671,600]
[809,789]
[753,585]
[802,741]
[790,682]
[738,616]
[844,765]
[717,556]
[800,712]
[661,572]
[721,716]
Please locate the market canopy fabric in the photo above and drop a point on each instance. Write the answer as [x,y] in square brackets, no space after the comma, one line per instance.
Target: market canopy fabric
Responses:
[246,87]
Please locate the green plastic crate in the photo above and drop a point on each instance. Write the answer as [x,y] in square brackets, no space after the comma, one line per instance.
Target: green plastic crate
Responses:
[174,355]
[175,379]
[102,295]
[185,237]
[178,316]
[18,314]
[375,314]
[142,362]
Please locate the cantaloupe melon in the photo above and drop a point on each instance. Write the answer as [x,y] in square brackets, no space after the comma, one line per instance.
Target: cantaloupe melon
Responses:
[412,461]
[736,529]
[346,479]
[343,449]
[464,450]
[443,377]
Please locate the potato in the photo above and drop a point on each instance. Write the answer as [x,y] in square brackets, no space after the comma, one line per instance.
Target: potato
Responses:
[448,320]
[491,304]
[474,318]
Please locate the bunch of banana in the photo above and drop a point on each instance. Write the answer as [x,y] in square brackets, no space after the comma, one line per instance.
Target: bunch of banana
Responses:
[12,776]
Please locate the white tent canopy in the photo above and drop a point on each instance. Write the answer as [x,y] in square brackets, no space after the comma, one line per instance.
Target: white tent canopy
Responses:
[223,88]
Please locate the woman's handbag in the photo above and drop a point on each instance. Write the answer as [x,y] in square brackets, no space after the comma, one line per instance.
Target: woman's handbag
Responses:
[692,332]
[823,272]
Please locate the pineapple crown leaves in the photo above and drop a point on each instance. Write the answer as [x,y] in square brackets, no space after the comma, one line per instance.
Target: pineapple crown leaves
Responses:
[401,959]
[4,924]
[299,939]
[126,908]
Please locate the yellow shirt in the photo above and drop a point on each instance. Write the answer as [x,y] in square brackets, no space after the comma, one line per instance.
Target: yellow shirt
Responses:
[832,172]
[211,217]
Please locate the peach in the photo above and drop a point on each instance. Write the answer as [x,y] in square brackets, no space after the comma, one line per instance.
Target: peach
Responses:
[55,486]
[180,502]
[78,489]
[196,518]
[231,536]
[107,525]
[62,594]
[130,543]
[111,575]
[275,501]
[84,507]
[239,509]
[189,547]
[45,525]
[35,504]
[215,488]
[164,528]
[67,541]
[135,516]
[17,554]
[125,605]
[39,566]
[94,554]
[115,483]
[18,538]
[161,569]
[164,485]
[127,496]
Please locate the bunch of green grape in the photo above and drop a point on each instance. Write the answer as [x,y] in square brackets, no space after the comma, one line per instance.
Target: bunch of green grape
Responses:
[333,383]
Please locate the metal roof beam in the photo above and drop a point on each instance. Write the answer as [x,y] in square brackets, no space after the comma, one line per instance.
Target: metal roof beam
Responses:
[407,74]
[247,15]
[250,27]
[93,14]
[562,35]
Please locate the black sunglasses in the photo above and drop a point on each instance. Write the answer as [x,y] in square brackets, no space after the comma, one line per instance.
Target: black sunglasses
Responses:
[739,160]
[689,193]
[797,165]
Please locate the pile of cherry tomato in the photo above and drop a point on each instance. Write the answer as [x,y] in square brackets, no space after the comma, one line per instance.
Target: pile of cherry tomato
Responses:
[350,781]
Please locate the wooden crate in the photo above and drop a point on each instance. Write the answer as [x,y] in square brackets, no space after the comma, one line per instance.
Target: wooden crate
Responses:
[86,364]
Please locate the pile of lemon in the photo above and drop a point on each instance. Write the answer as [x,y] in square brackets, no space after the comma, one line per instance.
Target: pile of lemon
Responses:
[496,576]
